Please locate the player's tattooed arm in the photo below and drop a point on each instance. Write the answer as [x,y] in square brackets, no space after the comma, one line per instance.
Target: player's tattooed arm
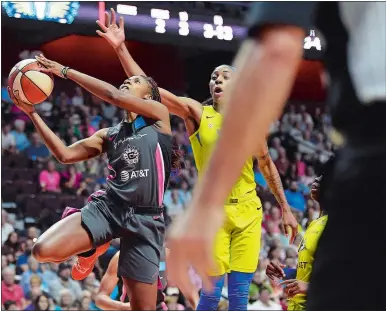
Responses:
[271,175]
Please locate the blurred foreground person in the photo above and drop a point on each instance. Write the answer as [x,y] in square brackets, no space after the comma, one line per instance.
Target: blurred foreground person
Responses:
[266,65]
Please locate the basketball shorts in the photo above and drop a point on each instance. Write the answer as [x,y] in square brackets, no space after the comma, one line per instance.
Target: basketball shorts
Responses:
[237,244]
[141,232]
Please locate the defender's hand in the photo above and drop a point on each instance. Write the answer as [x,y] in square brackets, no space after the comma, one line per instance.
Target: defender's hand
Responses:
[113,33]
[290,223]
[294,287]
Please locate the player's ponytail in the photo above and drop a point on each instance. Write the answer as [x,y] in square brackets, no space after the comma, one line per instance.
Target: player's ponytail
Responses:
[177,156]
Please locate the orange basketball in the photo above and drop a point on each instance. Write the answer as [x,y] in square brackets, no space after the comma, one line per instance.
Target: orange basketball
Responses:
[32,85]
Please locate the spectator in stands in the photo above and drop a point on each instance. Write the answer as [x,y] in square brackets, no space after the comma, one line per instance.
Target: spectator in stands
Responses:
[32,233]
[184,193]
[174,205]
[102,180]
[172,294]
[108,112]
[37,151]
[300,165]
[294,197]
[306,118]
[35,288]
[95,118]
[309,177]
[71,180]
[45,108]
[91,283]
[64,282]
[10,290]
[4,92]
[22,259]
[49,272]
[33,269]
[8,141]
[289,118]
[181,134]
[12,244]
[282,162]
[49,179]
[40,303]
[66,299]
[21,139]
[6,227]
[318,119]
[264,302]
[11,306]
[274,149]
[85,303]
[78,99]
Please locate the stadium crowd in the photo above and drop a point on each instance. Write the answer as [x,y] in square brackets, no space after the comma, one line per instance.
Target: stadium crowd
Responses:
[36,189]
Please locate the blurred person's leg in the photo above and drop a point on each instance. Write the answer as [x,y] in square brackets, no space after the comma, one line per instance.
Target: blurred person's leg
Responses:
[355,236]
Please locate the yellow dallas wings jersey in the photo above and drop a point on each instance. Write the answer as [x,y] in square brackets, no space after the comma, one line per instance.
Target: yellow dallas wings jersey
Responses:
[306,257]
[203,141]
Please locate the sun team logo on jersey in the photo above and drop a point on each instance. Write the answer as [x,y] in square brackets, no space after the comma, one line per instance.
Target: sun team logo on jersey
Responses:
[131,156]
[302,245]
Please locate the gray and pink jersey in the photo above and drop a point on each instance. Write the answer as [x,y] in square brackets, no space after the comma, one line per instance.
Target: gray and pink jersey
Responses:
[139,162]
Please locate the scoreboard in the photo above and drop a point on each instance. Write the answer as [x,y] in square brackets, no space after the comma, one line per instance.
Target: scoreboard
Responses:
[184,24]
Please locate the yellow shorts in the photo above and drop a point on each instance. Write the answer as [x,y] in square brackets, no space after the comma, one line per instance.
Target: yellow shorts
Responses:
[237,244]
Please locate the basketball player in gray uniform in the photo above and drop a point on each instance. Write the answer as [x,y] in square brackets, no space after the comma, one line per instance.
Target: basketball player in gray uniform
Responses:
[267,63]
[139,151]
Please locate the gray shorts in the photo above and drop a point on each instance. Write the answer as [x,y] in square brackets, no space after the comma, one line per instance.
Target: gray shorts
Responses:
[142,236]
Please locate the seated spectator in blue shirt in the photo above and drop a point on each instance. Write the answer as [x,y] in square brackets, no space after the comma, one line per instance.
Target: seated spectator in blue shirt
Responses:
[21,139]
[33,269]
[37,151]
[4,92]
[295,198]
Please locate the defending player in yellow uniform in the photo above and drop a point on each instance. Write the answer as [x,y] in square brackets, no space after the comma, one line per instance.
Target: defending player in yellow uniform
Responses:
[296,289]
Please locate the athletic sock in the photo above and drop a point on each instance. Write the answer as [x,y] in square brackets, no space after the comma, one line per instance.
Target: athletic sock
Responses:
[87,254]
[238,290]
[209,301]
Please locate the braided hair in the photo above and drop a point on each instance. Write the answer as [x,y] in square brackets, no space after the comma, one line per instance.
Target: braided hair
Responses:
[155,95]
[177,153]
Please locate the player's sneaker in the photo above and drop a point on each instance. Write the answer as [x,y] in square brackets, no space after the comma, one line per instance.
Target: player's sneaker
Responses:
[84,265]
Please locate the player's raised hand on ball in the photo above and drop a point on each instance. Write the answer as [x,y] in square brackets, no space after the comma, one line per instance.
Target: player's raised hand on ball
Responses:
[275,270]
[50,66]
[14,95]
[113,33]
